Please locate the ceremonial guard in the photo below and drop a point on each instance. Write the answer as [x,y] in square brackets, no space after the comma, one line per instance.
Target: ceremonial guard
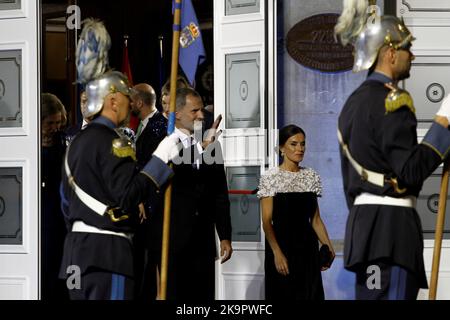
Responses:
[101,186]
[383,166]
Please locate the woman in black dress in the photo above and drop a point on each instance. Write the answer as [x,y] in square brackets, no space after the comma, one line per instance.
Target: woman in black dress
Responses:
[292,224]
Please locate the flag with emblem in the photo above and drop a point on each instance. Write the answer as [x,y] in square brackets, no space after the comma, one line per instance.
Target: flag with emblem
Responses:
[192,51]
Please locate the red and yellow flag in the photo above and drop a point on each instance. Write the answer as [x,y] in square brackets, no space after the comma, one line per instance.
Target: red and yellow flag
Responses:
[126,70]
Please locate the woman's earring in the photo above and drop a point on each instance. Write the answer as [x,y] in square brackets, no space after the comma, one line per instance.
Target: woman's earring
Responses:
[282,153]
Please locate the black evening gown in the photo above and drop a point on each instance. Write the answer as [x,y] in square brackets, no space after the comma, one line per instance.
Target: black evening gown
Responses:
[291,219]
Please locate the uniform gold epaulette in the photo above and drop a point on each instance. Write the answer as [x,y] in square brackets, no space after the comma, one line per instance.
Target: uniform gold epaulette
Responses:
[123,148]
[398,98]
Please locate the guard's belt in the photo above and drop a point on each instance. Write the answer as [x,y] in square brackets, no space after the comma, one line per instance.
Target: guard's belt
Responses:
[92,203]
[373,177]
[80,226]
[369,198]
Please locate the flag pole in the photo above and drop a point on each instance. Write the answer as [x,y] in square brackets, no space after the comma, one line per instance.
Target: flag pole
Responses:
[439,230]
[170,129]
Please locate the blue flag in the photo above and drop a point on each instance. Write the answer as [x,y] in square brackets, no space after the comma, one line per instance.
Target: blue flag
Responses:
[192,51]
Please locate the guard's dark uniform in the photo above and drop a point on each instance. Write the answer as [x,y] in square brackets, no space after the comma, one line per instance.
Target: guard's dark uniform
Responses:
[385,141]
[109,175]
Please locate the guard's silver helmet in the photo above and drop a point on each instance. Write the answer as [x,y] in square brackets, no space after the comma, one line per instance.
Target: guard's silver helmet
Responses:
[99,88]
[388,30]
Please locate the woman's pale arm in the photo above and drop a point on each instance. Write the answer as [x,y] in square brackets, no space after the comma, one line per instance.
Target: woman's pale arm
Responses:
[281,262]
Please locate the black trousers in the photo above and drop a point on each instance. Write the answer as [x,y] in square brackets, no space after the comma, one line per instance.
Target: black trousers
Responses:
[191,277]
[102,285]
[146,288]
[380,280]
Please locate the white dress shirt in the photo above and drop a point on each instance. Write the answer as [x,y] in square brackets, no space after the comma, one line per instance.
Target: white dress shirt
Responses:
[187,141]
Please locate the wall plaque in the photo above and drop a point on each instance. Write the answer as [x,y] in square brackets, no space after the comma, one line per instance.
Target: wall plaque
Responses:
[311,43]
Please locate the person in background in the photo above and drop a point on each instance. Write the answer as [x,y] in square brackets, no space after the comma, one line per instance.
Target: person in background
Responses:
[292,224]
[152,125]
[73,130]
[53,119]
[165,93]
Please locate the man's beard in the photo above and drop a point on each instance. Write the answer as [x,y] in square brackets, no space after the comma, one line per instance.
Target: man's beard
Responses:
[405,74]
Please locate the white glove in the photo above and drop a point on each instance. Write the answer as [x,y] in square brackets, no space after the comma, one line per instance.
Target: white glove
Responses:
[444,110]
[168,148]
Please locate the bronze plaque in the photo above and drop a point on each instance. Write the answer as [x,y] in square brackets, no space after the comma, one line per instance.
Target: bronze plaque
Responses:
[311,43]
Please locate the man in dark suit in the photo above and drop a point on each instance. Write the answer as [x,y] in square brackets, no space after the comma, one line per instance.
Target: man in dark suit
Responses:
[151,131]
[200,204]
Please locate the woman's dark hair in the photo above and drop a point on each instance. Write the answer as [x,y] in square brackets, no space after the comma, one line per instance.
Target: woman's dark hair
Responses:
[52,105]
[287,132]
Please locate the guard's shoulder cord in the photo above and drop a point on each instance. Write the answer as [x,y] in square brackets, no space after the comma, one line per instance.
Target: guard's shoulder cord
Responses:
[123,146]
[397,98]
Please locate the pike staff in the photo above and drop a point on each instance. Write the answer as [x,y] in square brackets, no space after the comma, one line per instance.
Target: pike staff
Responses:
[439,230]
[170,129]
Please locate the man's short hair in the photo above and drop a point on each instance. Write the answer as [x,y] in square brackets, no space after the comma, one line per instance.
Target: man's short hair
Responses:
[182,93]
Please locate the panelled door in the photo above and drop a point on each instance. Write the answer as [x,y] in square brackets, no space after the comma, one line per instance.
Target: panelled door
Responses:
[244,95]
[429,83]
[19,146]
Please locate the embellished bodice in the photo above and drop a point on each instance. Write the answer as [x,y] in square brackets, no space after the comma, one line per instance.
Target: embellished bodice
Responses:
[277,180]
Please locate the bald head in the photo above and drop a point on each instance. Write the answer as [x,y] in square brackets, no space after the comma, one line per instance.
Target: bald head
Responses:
[146,93]
[143,100]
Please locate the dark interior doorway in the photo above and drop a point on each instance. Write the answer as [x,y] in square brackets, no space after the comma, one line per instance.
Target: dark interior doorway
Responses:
[148,25]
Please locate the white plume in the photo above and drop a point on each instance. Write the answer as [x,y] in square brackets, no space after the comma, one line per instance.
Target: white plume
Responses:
[351,21]
[92,50]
